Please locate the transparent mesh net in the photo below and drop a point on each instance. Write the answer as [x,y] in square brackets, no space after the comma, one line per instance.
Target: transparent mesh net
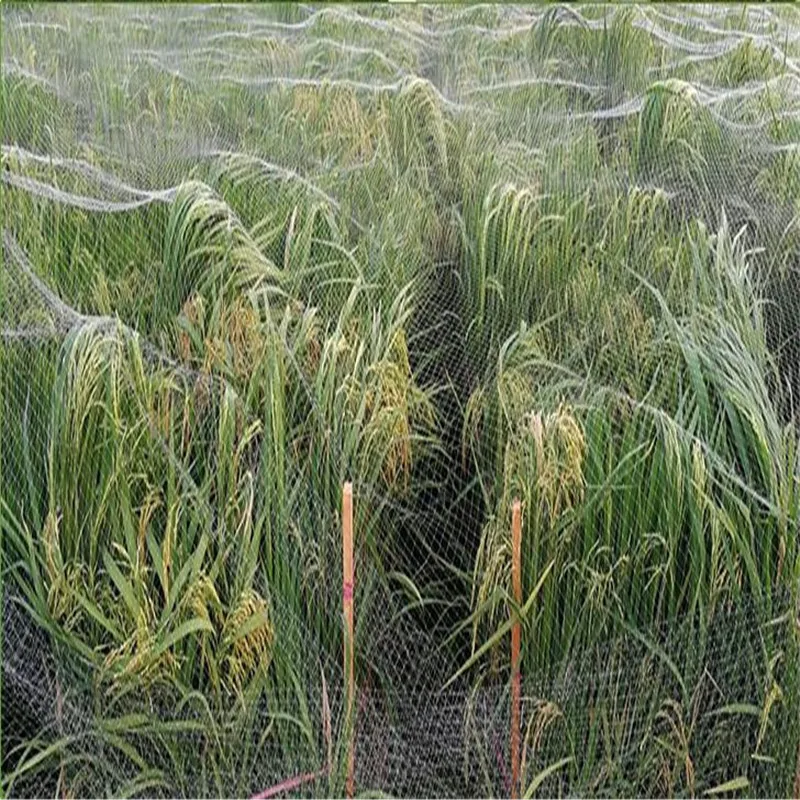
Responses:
[458,256]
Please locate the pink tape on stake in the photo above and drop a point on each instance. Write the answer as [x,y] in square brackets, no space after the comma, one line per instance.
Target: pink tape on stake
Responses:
[347,591]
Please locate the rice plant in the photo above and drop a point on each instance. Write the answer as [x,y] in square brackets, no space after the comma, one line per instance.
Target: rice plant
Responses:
[460,257]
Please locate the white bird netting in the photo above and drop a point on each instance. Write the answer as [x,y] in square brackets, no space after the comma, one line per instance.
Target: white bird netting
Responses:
[458,256]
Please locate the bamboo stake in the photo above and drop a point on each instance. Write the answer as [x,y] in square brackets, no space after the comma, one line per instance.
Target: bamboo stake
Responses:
[347,601]
[516,580]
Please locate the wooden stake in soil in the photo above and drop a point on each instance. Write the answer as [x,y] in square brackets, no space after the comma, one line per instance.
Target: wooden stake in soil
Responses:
[347,600]
[516,580]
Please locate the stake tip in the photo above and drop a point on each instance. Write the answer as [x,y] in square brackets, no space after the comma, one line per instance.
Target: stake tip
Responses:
[348,488]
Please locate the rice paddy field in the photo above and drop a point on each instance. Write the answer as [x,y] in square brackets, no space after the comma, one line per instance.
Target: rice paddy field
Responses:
[457,256]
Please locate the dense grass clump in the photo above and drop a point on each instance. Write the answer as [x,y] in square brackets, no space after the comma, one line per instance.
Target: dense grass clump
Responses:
[459,257]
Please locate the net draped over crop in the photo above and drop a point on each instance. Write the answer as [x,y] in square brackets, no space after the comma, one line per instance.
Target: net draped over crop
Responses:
[458,256]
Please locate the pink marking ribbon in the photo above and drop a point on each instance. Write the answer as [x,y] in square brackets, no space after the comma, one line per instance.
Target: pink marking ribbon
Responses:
[347,592]
[289,784]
